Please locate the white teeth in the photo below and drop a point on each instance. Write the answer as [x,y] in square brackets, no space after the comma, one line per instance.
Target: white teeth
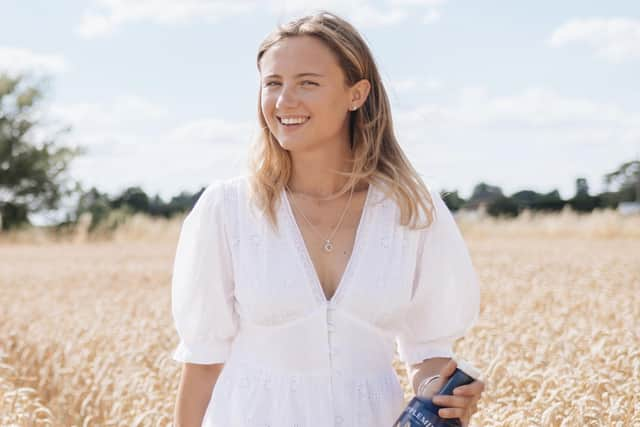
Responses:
[295,121]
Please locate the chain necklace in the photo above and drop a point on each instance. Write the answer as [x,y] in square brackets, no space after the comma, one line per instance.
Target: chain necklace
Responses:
[328,244]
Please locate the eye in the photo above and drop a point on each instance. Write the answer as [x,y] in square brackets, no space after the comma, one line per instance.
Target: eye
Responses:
[309,81]
[270,83]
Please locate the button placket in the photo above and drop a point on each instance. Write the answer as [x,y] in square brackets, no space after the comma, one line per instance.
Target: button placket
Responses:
[333,350]
[293,384]
[331,327]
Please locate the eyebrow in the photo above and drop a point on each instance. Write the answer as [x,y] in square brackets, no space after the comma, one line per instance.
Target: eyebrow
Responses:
[297,75]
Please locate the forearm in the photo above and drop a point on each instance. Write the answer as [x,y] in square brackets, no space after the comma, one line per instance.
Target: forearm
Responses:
[426,368]
[194,393]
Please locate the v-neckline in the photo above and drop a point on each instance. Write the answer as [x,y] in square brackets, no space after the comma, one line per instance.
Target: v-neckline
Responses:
[308,262]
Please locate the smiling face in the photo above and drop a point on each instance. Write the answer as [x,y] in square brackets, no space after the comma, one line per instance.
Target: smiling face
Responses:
[304,97]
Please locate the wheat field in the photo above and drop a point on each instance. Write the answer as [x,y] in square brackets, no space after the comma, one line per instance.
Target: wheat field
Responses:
[86,331]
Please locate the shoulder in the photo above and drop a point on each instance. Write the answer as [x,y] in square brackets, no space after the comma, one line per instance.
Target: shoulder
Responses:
[224,189]
[436,204]
[217,198]
[432,188]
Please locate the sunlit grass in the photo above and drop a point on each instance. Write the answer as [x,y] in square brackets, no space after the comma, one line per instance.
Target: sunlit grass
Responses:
[86,331]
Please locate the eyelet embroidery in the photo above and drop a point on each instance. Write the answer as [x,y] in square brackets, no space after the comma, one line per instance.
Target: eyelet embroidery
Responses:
[369,392]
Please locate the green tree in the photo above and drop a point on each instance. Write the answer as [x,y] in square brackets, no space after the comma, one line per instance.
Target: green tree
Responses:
[503,206]
[525,199]
[582,201]
[484,191]
[627,180]
[551,201]
[135,198]
[452,199]
[582,187]
[32,175]
[97,204]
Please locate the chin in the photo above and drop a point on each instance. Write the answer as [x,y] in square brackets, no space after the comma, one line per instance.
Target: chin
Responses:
[293,144]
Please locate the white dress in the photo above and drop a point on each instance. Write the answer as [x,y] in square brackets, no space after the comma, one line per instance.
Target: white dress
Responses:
[249,297]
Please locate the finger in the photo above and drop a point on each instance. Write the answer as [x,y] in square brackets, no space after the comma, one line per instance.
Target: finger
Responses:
[448,368]
[474,389]
[452,401]
[451,413]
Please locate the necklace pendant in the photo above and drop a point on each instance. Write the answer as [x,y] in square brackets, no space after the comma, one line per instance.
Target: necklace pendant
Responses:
[328,246]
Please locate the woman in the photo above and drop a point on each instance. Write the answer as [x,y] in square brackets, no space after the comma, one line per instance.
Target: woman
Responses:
[292,285]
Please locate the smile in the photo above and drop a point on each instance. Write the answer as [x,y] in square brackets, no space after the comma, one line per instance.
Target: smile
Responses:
[293,121]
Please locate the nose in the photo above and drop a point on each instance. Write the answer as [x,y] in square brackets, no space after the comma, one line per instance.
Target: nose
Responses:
[286,98]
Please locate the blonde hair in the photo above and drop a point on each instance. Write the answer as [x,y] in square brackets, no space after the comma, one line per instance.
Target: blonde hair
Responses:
[377,156]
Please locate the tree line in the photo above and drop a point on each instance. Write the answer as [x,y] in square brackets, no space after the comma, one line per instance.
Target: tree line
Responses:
[496,203]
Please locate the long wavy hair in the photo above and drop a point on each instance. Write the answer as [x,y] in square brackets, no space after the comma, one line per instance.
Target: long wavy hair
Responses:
[377,156]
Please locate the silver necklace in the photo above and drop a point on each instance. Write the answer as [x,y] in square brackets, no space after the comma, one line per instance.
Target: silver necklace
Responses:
[328,244]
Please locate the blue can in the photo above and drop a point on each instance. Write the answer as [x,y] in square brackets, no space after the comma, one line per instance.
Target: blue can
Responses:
[422,412]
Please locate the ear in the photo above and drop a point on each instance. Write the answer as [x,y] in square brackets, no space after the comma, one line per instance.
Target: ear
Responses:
[359,92]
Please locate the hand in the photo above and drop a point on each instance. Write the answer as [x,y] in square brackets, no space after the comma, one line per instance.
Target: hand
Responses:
[463,403]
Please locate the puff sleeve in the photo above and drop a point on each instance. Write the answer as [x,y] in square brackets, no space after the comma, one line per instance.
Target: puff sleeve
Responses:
[445,301]
[202,286]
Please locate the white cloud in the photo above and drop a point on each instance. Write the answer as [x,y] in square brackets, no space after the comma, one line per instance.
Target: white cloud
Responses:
[363,13]
[430,3]
[431,16]
[131,122]
[18,60]
[120,113]
[414,84]
[134,135]
[211,131]
[615,40]
[534,107]
[368,16]
[537,136]
[105,16]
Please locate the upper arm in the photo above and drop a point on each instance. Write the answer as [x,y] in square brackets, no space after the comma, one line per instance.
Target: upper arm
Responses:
[446,291]
[202,284]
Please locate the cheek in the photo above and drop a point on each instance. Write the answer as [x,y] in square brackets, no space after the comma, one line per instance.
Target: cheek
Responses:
[268,105]
[265,102]
[330,108]
[333,111]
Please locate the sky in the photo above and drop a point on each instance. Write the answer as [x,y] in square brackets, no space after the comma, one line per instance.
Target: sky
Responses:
[163,94]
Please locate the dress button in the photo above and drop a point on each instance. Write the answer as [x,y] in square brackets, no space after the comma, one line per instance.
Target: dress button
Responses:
[339,420]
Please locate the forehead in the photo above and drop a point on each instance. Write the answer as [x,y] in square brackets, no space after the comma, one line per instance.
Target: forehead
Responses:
[294,55]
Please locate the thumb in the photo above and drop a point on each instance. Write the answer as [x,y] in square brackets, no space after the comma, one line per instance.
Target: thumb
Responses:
[448,369]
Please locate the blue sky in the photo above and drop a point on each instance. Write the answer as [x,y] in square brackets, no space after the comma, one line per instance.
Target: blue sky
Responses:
[163,94]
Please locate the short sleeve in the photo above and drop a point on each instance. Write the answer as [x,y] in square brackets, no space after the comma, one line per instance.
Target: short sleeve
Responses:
[202,286]
[445,300]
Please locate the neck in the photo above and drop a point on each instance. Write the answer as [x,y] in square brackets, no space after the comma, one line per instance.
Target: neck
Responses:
[313,172]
